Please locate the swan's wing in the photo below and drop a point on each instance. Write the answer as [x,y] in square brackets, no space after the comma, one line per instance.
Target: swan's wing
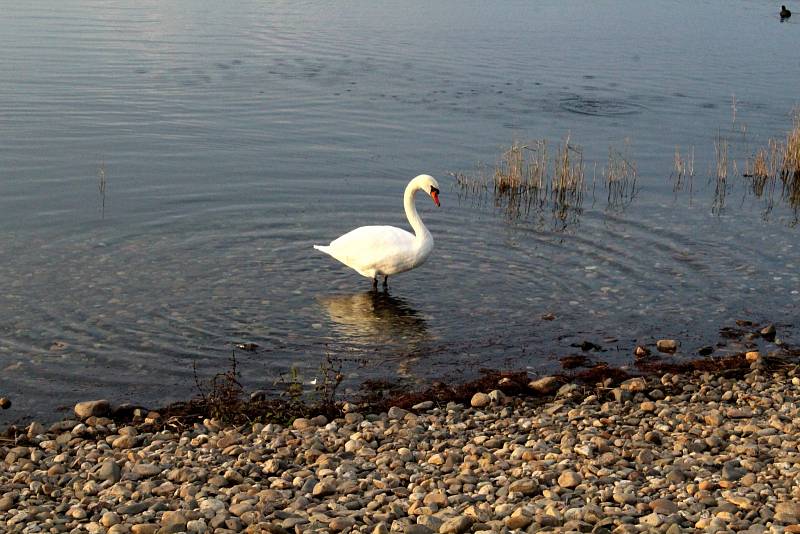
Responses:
[368,240]
[371,247]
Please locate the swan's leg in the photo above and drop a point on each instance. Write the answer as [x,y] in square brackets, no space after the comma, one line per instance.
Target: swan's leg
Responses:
[386,281]
[375,282]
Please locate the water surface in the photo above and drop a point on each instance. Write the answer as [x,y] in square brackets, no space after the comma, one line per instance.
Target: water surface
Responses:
[232,138]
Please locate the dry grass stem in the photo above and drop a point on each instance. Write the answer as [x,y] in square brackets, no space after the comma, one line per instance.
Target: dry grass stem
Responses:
[682,170]
[525,180]
[790,169]
[567,186]
[779,160]
[620,175]
[101,179]
[721,173]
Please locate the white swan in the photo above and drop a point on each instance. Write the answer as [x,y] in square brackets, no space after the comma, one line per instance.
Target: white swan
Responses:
[385,250]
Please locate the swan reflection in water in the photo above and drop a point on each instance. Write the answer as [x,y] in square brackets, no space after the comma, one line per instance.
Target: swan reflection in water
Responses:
[376,321]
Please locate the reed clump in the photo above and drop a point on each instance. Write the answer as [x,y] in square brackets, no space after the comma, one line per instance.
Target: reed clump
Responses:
[568,182]
[519,180]
[102,182]
[471,185]
[762,168]
[790,169]
[779,161]
[526,179]
[791,153]
[620,176]
[720,173]
[682,170]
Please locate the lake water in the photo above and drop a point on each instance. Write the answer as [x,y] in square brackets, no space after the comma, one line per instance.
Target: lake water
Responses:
[233,137]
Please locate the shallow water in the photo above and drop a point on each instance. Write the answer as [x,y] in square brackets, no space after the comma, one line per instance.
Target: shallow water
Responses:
[231,140]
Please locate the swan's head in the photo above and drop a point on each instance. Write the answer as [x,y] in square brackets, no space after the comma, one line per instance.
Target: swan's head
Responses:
[429,184]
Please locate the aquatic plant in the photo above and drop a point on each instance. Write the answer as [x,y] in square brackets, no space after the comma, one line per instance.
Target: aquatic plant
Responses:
[620,176]
[101,185]
[525,181]
[682,170]
[762,171]
[790,169]
[779,160]
[720,173]
[567,186]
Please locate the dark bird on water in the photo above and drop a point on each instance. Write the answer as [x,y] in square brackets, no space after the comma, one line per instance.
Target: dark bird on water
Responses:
[785,13]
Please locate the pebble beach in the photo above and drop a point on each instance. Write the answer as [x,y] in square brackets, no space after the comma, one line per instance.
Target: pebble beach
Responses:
[673,453]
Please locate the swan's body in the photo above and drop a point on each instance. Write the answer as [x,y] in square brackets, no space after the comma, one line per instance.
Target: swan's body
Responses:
[374,251]
[785,13]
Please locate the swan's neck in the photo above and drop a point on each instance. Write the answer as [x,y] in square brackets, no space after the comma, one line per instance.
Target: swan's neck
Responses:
[414,219]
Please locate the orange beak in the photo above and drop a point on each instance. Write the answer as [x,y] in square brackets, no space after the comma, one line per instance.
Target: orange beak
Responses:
[435,197]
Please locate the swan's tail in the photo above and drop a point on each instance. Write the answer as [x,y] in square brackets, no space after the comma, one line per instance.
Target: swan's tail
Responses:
[323,248]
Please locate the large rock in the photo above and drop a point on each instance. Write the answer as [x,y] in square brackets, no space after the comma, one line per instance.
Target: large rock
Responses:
[667,345]
[34,429]
[109,519]
[147,470]
[634,385]
[95,408]
[395,412]
[301,423]
[6,503]
[518,520]
[341,523]
[663,506]
[569,479]
[439,498]
[788,512]
[121,528]
[272,466]
[480,400]
[109,470]
[172,520]
[498,397]
[527,486]
[545,385]
[241,508]
[768,332]
[456,525]
[324,488]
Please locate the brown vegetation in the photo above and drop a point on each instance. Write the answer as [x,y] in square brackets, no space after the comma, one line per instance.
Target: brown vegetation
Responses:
[620,175]
[525,180]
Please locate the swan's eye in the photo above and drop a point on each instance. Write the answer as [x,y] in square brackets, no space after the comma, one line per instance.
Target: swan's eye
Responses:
[434,190]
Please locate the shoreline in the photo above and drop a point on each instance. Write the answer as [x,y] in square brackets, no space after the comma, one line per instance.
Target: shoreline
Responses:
[699,450]
[222,396]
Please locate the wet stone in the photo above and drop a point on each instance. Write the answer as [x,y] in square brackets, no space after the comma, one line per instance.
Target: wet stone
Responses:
[546,385]
[480,400]
[667,345]
[94,408]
